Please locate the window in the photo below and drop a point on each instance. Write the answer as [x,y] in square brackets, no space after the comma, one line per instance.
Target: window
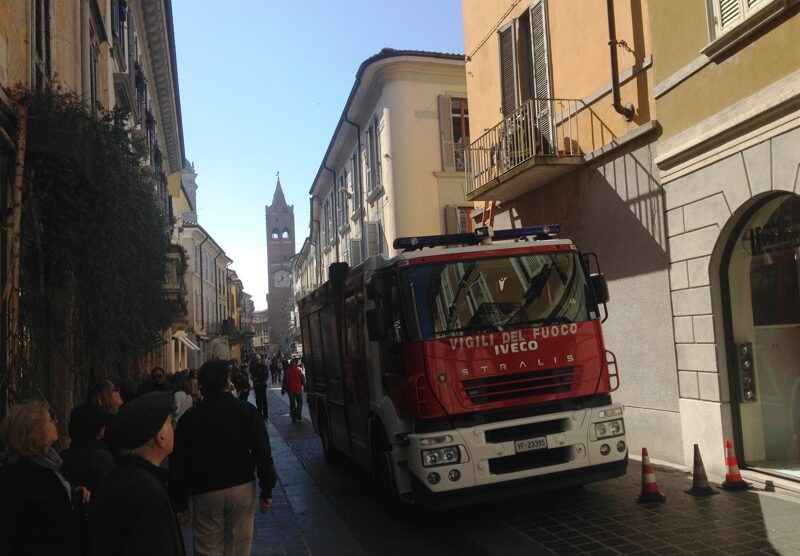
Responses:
[730,22]
[94,77]
[326,214]
[458,219]
[728,14]
[454,132]
[526,69]
[341,200]
[285,233]
[42,65]
[373,156]
[119,14]
[356,185]
[275,233]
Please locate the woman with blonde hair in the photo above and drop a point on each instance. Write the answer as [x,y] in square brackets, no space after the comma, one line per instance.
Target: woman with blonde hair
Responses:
[105,394]
[38,505]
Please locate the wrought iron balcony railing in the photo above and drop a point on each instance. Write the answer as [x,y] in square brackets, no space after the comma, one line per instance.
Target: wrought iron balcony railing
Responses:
[545,128]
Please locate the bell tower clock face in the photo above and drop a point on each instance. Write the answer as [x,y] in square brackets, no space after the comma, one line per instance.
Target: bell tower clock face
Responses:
[281,279]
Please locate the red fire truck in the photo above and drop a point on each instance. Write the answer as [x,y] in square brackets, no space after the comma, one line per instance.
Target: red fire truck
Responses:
[469,366]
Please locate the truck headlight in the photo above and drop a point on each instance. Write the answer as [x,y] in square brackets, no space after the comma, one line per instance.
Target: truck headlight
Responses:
[441,456]
[608,429]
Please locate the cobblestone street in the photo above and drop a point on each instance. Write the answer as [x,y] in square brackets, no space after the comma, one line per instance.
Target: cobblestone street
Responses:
[318,509]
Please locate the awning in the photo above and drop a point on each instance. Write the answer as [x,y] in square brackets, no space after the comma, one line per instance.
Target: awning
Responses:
[188,343]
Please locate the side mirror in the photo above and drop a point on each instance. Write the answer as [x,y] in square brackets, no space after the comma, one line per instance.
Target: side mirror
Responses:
[600,287]
[374,326]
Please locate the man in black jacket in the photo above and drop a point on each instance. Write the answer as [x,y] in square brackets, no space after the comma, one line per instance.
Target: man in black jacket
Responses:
[217,444]
[258,372]
[132,514]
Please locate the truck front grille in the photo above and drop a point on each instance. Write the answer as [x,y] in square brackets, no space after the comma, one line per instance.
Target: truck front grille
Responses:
[521,385]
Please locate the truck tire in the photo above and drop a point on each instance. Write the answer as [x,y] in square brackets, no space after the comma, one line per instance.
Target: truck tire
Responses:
[382,468]
[332,455]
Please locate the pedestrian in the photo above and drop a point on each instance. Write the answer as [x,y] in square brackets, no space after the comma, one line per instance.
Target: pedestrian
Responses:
[217,444]
[88,460]
[132,514]
[157,382]
[181,390]
[194,385]
[39,508]
[241,381]
[294,383]
[105,394]
[258,372]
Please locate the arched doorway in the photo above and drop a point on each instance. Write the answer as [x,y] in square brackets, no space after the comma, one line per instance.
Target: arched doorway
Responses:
[760,278]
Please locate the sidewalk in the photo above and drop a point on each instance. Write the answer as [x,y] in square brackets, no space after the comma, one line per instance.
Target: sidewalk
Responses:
[301,520]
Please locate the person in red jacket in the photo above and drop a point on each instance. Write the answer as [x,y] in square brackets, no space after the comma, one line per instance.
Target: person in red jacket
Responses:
[294,382]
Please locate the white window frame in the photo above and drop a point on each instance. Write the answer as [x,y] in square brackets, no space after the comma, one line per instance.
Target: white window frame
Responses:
[752,15]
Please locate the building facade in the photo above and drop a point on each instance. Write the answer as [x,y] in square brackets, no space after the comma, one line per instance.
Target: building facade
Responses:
[394,165]
[112,54]
[208,293]
[727,92]
[569,138]
[280,251]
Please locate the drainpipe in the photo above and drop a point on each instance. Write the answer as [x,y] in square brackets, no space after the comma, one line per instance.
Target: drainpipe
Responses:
[333,216]
[361,187]
[627,111]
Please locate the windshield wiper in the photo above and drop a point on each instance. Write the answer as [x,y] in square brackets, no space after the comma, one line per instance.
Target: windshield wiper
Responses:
[532,292]
[451,311]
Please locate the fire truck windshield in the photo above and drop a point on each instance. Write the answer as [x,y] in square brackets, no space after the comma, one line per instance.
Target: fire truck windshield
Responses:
[492,294]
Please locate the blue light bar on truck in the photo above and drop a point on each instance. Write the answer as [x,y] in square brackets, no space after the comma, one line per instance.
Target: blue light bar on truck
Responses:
[484,234]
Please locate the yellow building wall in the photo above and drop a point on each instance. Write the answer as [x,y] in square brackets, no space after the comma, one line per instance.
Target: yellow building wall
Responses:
[416,153]
[769,57]
[678,30]
[580,62]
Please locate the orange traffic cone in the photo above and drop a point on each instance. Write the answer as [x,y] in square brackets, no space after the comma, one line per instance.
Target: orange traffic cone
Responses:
[700,486]
[650,492]
[794,449]
[733,479]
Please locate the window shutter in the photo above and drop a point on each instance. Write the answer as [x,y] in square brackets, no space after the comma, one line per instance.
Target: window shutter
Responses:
[355,251]
[541,73]
[368,151]
[525,59]
[730,12]
[373,238]
[378,156]
[451,219]
[508,81]
[446,133]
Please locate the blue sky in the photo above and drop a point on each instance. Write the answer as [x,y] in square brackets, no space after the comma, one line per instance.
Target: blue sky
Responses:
[263,83]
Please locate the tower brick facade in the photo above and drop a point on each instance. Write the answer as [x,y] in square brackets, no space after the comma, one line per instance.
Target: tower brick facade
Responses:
[280,250]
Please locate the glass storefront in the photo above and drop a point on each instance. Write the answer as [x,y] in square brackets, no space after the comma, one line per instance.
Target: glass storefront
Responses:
[763,277]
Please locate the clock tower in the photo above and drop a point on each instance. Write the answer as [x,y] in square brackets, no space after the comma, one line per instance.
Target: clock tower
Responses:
[280,250]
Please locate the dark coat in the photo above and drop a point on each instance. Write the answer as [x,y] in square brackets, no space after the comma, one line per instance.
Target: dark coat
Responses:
[218,443]
[258,372]
[87,463]
[36,513]
[132,514]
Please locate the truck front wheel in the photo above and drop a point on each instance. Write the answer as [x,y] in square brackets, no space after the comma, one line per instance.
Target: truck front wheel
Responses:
[382,468]
[332,455]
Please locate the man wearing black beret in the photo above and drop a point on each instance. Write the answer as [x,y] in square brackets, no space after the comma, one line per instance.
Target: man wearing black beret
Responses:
[218,443]
[132,514]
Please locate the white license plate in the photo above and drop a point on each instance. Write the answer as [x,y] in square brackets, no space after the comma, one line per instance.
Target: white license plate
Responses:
[531,444]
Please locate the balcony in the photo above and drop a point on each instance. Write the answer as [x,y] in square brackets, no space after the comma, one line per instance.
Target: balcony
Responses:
[174,288]
[539,142]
